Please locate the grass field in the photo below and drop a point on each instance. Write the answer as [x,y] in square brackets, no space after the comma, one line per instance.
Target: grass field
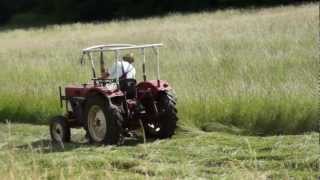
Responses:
[237,73]
[26,153]
[254,69]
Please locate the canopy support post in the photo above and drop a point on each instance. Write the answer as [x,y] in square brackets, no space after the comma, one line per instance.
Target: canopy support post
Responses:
[117,57]
[102,68]
[158,66]
[144,64]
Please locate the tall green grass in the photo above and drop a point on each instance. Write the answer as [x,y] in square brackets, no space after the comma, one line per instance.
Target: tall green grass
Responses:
[255,69]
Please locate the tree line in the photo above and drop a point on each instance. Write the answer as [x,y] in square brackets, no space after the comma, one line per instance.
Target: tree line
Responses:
[58,11]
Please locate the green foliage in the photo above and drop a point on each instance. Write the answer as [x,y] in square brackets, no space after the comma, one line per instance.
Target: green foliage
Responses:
[255,70]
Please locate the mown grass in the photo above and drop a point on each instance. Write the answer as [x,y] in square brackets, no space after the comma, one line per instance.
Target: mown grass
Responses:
[26,153]
[254,69]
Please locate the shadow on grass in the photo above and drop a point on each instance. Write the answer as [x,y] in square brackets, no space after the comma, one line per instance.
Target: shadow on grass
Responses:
[47,146]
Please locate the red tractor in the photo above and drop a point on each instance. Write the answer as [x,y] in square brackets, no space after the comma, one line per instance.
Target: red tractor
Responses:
[109,109]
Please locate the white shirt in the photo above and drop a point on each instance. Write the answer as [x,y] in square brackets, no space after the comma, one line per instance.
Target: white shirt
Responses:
[127,67]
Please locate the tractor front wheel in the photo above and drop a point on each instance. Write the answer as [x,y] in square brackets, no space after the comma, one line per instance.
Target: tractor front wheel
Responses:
[59,129]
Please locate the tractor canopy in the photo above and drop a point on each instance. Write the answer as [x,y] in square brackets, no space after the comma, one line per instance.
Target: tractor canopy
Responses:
[117,49]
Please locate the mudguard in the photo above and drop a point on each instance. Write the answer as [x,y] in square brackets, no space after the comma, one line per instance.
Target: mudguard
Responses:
[152,87]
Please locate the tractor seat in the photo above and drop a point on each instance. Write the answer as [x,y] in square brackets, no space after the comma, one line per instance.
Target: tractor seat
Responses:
[128,86]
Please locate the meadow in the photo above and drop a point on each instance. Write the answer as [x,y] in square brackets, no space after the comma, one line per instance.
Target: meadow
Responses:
[254,69]
[27,153]
[237,74]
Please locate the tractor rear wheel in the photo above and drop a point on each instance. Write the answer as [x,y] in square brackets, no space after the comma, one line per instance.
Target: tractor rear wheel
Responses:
[165,125]
[59,129]
[102,121]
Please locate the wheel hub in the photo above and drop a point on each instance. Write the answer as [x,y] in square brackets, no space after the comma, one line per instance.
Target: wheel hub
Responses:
[58,131]
[97,124]
[153,127]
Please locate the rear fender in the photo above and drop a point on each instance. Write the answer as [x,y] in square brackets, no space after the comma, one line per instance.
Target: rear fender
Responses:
[106,94]
[77,95]
[152,88]
[89,90]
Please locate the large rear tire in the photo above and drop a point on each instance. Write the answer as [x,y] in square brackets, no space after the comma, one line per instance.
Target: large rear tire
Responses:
[103,121]
[165,124]
[59,129]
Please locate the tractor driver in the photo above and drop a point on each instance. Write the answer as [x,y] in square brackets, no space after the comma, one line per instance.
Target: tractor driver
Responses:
[124,69]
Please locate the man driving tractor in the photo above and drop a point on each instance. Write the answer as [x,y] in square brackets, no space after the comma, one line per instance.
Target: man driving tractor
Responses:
[125,69]
[122,69]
